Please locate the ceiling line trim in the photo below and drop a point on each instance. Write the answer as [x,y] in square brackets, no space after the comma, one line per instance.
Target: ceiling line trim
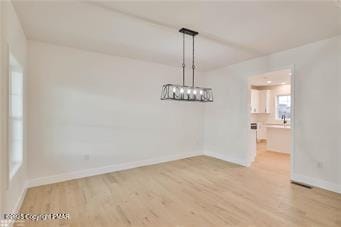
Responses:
[207,36]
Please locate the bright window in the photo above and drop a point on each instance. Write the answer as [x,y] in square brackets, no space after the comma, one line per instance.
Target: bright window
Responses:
[283,106]
[15,117]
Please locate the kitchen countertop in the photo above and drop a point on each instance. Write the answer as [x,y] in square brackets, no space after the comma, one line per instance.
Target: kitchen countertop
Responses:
[279,126]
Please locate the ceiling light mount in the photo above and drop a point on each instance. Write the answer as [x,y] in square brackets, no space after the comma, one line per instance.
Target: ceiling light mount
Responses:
[188,32]
[183,92]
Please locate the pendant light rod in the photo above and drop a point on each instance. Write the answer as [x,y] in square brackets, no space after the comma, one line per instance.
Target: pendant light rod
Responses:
[193,66]
[186,31]
[183,59]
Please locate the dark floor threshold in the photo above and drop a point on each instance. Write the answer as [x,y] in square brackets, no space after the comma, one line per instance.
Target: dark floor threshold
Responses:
[301,184]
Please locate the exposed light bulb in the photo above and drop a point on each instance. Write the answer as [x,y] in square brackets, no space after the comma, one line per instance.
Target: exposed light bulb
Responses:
[174,89]
[189,91]
[195,92]
[201,92]
[181,90]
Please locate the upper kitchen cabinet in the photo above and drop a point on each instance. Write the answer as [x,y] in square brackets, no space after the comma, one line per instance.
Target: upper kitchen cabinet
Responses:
[254,100]
[260,101]
[264,101]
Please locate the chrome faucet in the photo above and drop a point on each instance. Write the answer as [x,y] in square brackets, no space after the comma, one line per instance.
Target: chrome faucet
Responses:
[284,120]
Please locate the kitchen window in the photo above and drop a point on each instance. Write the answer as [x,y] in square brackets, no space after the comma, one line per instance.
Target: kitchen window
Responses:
[283,107]
[15,116]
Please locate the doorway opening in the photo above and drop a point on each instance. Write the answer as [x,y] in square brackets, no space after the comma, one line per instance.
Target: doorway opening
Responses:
[271,117]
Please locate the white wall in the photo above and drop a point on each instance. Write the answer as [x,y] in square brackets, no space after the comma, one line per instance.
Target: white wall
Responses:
[2,118]
[13,38]
[104,107]
[339,112]
[317,102]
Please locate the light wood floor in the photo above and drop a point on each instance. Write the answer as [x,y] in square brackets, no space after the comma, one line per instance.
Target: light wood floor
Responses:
[198,191]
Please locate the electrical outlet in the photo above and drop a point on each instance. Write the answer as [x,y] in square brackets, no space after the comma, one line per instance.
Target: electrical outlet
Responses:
[86,157]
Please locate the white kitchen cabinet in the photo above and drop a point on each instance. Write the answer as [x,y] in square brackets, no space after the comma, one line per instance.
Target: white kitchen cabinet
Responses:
[260,101]
[279,138]
[263,101]
[254,100]
[261,131]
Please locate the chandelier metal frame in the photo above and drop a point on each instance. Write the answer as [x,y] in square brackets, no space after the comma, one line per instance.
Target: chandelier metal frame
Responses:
[182,92]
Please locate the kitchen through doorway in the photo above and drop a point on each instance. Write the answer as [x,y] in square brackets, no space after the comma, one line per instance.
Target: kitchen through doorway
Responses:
[270,111]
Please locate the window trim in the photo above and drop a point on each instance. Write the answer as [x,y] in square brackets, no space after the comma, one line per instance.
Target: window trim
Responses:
[14,167]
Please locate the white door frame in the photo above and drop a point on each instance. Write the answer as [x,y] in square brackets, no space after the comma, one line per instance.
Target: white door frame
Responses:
[292,120]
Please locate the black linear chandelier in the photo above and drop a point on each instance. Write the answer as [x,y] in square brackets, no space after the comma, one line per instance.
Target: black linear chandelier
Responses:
[183,92]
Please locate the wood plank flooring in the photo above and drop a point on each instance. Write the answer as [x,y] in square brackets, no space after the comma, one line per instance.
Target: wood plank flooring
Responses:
[198,191]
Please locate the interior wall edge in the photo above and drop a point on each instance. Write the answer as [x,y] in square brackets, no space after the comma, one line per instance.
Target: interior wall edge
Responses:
[2,129]
[13,40]
[20,199]
[259,72]
[231,159]
[57,44]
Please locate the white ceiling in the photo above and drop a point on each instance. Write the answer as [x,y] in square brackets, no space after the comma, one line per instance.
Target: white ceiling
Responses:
[271,78]
[230,32]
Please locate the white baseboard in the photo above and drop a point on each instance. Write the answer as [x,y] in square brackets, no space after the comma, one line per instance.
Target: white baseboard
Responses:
[106,169]
[20,200]
[228,158]
[316,183]
[16,208]
[295,177]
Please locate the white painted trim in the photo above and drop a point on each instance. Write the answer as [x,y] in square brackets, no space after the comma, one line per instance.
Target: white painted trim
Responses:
[17,207]
[227,158]
[316,183]
[106,169]
[292,120]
